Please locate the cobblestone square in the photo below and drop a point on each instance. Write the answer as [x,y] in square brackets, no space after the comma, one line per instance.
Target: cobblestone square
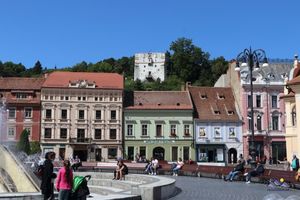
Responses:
[192,188]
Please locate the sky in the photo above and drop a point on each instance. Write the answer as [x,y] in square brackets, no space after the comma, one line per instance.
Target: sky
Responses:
[63,33]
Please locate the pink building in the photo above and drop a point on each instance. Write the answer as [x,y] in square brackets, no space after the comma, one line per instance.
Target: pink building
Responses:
[269,110]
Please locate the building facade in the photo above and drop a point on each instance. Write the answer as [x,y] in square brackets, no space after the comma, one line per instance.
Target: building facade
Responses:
[160,125]
[82,115]
[20,108]
[217,126]
[292,108]
[269,110]
[149,66]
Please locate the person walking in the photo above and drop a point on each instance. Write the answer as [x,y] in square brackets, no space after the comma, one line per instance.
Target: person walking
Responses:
[47,184]
[64,181]
[295,163]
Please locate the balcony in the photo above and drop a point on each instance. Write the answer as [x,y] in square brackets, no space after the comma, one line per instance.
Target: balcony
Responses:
[80,140]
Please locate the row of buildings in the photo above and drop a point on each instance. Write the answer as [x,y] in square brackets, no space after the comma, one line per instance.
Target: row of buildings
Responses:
[90,115]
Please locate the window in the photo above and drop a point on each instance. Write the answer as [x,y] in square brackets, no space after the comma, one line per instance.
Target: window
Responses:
[274,101]
[81,114]
[173,129]
[158,130]
[112,153]
[144,130]
[63,133]
[186,129]
[12,113]
[47,132]
[21,96]
[98,133]
[249,101]
[232,132]
[258,123]
[142,151]
[11,132]
[113,134]
[79,98]
[113,115]
[130,153]
[129,129]
[274,122]
[28,112]
[61,97]
[83,98]
[96,98]
[202,132]
[98,114]
[64,114]
[48,113]
[67,98]
[217,132]
[80,135]
[294,121]
[258,101]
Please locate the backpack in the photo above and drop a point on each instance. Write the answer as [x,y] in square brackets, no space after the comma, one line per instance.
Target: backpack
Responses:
[125,170]
[39,171]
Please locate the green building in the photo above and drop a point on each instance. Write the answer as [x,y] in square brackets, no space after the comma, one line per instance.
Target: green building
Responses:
[159,124]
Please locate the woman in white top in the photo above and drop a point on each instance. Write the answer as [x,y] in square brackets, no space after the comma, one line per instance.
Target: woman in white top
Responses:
[178,167]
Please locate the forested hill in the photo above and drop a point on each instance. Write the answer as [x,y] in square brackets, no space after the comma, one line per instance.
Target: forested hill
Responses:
[185,62]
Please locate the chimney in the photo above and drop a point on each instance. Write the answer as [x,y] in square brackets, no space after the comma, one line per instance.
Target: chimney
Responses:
[46,75]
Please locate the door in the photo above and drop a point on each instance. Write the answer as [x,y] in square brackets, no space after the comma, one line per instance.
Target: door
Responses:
[130,153]
[159,153]
[174,153]
[98,154]
[186,153]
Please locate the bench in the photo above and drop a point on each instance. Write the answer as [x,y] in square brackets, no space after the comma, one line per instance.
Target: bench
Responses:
[288,176]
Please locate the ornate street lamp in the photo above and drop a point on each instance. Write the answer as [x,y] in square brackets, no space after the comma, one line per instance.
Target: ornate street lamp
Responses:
[252,60]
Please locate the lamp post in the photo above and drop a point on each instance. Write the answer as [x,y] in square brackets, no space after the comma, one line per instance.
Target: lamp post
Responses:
[251,59]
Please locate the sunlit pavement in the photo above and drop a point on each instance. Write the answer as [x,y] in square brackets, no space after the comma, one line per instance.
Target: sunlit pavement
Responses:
[216,189]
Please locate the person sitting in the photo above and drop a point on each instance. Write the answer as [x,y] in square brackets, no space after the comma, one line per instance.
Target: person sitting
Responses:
[154,166]
[256,172]
[179,165]
[237,169]
[148,167]
[120,170]
[115,171]
[297,177]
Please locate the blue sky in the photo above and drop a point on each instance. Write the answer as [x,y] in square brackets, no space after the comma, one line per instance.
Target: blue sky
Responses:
[62,33]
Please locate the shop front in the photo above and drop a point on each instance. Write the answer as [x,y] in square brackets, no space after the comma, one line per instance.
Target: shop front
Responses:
[211,154]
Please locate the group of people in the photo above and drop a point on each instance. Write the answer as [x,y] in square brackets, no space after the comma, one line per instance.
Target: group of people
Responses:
[240,167]
[64,179]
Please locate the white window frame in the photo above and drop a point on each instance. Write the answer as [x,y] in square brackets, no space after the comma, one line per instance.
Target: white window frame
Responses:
[186,127]
[144,129]
[9,112]
[11,136]
[173,129]
[25,112]
[129,130]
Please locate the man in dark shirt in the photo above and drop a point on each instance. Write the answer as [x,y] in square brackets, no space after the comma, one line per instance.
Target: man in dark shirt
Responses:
[256,172]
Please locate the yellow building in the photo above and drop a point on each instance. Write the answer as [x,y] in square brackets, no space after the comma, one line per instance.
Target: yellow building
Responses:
[292,107]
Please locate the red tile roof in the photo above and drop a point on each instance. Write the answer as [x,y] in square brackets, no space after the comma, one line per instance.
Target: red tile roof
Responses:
[60,79]
[159,100]
[214,104]
[17,83]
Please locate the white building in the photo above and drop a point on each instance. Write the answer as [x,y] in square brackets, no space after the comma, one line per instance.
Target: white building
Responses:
[149,66]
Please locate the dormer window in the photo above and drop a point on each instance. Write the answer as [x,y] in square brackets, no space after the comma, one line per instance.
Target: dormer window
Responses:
[230,112]
[203,96]
[217,112]
[221,96]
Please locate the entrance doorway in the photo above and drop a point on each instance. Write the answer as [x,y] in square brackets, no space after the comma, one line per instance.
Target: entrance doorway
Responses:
[62,153]
[159,153]
[82,154]
[232,155]
[98,154]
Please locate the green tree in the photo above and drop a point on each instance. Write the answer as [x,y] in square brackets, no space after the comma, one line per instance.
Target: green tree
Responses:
[188,60]
[219,66]
[37,68]
[23,144]
[35,147]
[80,67]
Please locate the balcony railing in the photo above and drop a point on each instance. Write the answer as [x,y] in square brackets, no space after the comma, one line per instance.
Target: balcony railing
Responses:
[80,140]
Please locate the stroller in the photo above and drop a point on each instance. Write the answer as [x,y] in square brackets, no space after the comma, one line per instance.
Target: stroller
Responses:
[80,189]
